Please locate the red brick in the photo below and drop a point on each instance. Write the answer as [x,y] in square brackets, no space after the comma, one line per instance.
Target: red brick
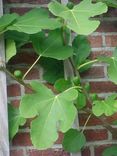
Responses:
[50,152]
[96,54]
[93,120]
[28,1]
[100,149]
[107,26]
[111,40]
[94,72]
[86,152]
[13,90]
[23,57]
[103,87]
[15,103]
[22,139]
[96,41]
[95,135]
[17,152]
[19,11]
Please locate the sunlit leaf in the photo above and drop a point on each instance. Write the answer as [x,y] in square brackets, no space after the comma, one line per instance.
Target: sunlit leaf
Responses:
[77,19]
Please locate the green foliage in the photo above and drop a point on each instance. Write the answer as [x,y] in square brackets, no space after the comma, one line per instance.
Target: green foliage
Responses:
[110,151]
[53,69]
[51,45]
[111,3]
[112,68]
[82,49]
[107,106]
[58,110]
[34,21]
[54,41]
[74,140]
[15,120]
[62,84]
[19,38]
[77,19]
[7,20]
[10,49]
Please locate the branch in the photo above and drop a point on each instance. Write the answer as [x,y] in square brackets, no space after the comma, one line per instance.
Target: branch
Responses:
[2,68]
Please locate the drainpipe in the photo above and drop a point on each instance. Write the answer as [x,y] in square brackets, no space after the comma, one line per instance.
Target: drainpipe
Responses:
[4,140]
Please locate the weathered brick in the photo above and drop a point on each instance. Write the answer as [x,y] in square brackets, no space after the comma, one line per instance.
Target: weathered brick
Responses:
[97,134]
[86,152]
[50,152]
[13,90]
[111,40]
[16,152]
[95,41]
[99,149]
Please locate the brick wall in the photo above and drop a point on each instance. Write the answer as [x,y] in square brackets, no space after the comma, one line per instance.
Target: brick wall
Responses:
[103,42]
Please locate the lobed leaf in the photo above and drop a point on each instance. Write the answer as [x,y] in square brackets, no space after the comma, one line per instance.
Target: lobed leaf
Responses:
[78,18]
[54,113]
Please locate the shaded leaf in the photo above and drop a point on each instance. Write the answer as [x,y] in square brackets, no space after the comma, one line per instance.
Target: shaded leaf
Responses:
[10,49]
[51,45]
[111,3]
[19,37]
[53,69]
[62,84]
[82,49]
[73,140]
[110,151]
[54,113]
[15,120]
[80,101]
[77,19]
[34,21]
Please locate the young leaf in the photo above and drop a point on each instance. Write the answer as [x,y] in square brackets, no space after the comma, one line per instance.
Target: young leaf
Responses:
[62,84]
[73,140]
[34,21]
[110,151]
[77,19]
[6,20]
[80,101]
[51,45]
[82,49]
[10,49]
[54,113]
[107,107]
[53,69]
[15,120]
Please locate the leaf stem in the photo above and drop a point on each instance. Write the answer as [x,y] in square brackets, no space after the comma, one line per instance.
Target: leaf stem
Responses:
[87,63]
[31,67]
[86,123]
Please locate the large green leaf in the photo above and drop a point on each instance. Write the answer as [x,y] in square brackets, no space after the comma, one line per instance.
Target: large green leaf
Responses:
[54,113]
[73,140]
[15,120]
[77,19]
[51,45]
[10,49]
[110,151]
[82,49]
[53,69]
[107,107]
[34,21]
[6,20]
